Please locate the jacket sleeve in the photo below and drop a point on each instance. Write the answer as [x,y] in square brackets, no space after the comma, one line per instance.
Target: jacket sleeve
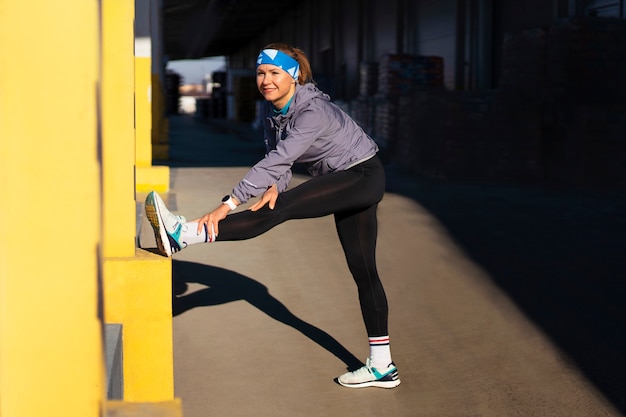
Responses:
[283,181]
[275,168]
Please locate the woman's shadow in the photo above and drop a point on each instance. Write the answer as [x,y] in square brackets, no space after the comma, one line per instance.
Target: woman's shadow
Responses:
[224,286]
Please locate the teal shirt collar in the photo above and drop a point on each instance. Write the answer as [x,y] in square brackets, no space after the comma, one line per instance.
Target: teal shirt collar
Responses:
[284,109]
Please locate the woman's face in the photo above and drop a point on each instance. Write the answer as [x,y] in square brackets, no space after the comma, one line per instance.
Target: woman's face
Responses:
[275,84]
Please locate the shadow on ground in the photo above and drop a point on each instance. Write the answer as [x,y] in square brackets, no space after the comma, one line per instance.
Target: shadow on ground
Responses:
[559,253]
[224,286]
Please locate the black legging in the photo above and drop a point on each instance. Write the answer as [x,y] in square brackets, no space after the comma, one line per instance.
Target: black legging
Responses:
[352,196]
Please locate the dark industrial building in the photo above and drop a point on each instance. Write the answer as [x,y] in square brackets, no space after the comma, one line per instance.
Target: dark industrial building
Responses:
[523,90]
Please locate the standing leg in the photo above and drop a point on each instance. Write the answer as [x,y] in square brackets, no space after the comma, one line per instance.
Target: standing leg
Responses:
[358,232]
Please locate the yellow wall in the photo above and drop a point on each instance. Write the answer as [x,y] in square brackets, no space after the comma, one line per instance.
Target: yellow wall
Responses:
[148,177]
[137,284]
[68,256]
[51,359]
[160,131]
[148,35]
[143,108]
[118,127]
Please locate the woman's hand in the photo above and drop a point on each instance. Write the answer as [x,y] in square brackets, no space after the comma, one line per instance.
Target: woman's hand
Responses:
[211,220]
[269,197]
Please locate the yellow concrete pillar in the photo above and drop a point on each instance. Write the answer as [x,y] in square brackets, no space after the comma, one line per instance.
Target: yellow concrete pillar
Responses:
[118,127]
[160,130]
[143,99]
[51,358]
[160,122]
[148,177]
[137,283]
[143,109]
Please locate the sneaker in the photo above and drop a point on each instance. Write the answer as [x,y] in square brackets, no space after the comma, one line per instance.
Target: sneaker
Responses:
[368,376]
[167,226]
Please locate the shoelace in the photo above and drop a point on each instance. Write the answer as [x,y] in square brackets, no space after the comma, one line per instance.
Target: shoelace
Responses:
[362,371]
[175,221]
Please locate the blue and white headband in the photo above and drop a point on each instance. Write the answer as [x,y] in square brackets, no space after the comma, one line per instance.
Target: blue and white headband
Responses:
[281,60]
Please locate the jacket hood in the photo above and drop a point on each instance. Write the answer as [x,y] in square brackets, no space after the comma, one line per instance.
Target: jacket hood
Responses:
[305,93]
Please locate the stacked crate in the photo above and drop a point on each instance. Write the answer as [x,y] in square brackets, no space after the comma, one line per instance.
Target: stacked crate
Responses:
[400,74]
[483,135]
[362,108]
[486,135]
[514,131]
[368,78]
[362,111]
[399,77]
[421,133]
[513,137]
[466,143]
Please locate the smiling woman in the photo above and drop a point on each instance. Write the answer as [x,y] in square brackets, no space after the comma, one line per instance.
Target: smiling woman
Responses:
[302,125]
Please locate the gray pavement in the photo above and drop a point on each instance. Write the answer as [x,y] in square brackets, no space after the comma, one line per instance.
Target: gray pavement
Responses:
[504,300]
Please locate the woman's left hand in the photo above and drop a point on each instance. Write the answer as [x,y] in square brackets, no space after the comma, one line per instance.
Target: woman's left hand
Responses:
[269,197]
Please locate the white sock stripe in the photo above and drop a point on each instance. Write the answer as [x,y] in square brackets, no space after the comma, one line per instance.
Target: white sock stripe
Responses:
[379,341]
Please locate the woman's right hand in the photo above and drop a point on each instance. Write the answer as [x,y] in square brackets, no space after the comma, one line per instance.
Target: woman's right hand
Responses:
[211,221]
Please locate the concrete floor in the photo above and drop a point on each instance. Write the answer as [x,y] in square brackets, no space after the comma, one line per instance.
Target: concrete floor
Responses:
[504,300]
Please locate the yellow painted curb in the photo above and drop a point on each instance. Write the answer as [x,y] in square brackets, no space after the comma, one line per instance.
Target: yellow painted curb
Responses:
[138,294]
[128,409]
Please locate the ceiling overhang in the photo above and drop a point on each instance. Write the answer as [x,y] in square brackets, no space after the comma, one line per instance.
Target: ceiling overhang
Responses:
[205,28]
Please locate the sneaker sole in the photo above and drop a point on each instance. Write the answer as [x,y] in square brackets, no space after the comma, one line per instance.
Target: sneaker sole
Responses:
[377,384]
[160,234]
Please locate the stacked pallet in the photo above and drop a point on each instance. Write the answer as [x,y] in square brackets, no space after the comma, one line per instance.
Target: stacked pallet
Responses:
[368,78]
[485,135]
[385,120]
[399,76]
[421,133]
[362,107]
[362,111]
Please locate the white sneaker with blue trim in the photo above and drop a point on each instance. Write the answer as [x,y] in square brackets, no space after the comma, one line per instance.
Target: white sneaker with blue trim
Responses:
[368,376]
[167,226]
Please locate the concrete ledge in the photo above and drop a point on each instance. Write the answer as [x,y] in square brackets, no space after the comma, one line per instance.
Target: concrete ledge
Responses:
[151,178]
[114,361]
[138,295]
[160,409]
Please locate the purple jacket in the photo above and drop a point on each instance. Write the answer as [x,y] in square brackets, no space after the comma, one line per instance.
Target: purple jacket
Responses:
[314,132]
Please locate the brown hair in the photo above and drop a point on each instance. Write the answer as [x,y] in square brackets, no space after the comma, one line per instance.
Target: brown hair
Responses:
[305,75]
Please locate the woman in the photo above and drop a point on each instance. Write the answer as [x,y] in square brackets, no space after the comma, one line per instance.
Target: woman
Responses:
[348,181]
